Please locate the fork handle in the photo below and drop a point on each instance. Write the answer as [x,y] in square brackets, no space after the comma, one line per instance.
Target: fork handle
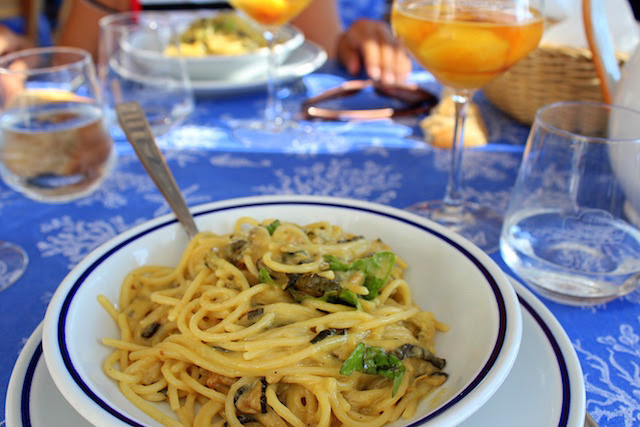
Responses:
[138,132]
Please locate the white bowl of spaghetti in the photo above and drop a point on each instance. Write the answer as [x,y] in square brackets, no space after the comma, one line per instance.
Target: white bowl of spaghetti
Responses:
[284,310]
[219,45]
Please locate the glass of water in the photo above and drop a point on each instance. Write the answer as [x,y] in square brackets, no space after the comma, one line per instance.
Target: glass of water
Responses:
[54,146]
[572,229]
[133,66]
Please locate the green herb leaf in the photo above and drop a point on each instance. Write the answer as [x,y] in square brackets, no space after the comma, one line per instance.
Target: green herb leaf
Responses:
[264,276]
[376,269]
[272,227]
[375,361]
[335,264]
[354,361]
[344,297]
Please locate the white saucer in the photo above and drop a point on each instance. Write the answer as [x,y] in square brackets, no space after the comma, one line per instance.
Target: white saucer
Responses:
[304,60]
[544,388]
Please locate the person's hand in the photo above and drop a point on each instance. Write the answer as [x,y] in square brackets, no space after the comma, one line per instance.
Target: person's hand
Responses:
[369,44]
[11,42]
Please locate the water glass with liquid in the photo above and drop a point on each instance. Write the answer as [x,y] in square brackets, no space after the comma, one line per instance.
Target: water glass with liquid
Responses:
[572,228]
[54,146]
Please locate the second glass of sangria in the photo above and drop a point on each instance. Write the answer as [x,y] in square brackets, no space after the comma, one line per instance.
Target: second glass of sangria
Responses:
[272,15]
[464,44]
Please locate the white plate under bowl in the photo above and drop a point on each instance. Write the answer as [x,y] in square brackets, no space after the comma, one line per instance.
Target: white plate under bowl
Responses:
[545,387]
[449,276]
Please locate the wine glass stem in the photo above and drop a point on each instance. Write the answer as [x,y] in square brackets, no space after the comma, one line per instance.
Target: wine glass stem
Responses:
[273,110]
[452,198]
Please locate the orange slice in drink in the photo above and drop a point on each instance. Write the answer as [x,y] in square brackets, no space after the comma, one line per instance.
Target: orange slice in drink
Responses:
[464,49]
[33,97]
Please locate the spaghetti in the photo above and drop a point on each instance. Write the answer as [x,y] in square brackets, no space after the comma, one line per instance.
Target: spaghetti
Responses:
[275,324]
[225,33]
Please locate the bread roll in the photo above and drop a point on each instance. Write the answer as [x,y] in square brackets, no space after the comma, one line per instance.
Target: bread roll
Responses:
[439,125]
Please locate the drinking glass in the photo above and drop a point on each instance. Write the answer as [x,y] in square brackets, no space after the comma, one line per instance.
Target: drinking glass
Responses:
[571,230]
[54,146]
[132,67]
[464,44]
[272,15]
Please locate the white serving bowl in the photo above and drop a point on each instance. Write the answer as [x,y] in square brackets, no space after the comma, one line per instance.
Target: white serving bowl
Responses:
[449,276]
[147,53]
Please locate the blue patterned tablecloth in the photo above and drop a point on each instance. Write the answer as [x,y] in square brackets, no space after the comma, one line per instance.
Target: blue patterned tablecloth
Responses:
[383,161]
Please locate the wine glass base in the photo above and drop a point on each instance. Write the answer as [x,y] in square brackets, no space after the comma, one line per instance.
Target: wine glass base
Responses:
[259,133]
[477,223]
[13,262]
[577,301]
[261,125]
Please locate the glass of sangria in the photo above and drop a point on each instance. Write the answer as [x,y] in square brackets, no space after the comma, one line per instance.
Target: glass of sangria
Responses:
[272,15]
[465,44]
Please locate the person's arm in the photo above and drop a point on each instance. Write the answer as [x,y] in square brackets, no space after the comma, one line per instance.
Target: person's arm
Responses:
[320,23]
[368,44]
[78,22]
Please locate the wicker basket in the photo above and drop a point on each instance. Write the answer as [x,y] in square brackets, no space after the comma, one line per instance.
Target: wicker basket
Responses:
[549,74]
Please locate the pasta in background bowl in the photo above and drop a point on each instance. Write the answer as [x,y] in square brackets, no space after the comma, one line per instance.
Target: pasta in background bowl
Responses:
[236,61]
[448,276]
